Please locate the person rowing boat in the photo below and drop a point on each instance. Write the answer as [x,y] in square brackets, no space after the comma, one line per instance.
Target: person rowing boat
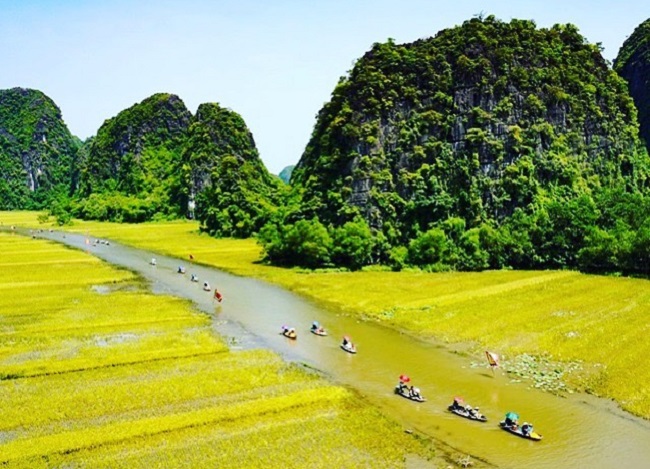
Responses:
[289,332]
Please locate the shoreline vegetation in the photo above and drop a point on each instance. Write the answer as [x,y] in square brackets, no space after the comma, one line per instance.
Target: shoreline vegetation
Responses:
[563,331]
[98,372]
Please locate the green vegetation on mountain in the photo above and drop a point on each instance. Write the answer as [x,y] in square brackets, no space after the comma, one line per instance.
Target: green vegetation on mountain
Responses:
[225,183]
[157,160]
[492,144]
[36,150]
[633,64]
[130,170]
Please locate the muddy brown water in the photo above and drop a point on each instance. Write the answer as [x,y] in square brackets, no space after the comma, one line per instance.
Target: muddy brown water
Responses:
[579,431]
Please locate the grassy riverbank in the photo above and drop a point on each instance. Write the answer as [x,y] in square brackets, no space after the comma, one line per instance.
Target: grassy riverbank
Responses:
[96,372]
[591,331]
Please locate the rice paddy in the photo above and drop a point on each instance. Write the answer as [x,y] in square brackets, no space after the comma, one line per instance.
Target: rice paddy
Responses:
[592,329]
[96,372]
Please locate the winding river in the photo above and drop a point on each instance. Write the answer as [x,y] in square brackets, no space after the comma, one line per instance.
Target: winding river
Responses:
[579,430]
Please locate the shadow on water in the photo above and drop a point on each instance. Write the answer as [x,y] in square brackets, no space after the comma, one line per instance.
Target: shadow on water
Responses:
[579,431]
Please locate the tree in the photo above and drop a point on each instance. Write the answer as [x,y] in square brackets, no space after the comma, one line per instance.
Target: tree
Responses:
[472,256]
[600,253]
[429,249]
[305,243]
[639,256]
[352,244]
[309,242]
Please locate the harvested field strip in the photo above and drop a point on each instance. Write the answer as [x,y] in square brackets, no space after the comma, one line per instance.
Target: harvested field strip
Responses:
[67,442]
[65,360]
[162,384]
[173,407]
[52,262]
[251,442]
[80,331]
[483,292]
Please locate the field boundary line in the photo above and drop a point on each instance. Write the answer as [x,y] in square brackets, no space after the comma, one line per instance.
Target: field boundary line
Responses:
[485,291]
[108,365]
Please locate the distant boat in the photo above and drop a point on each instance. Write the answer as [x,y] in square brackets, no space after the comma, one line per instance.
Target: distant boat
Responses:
[289,332]
[404,392]
[517,431]
[317,329]
[348,346]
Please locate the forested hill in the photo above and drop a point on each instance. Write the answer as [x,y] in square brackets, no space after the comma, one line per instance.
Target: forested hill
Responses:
[633,64]
[155,159]
[225,183]
[36,149]
[490,125]
[134,161]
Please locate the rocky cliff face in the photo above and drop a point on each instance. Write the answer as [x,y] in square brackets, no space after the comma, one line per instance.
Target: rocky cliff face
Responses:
[475,122]
[36,148]
[633,64]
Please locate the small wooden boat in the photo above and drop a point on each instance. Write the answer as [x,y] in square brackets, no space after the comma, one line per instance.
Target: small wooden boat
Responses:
[462,412]
[516,430]
[321,332]
[404,392]
[349,347]
[290,334]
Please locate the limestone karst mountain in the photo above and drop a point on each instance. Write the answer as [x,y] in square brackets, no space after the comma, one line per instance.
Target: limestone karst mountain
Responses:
[474,123]
[36,149]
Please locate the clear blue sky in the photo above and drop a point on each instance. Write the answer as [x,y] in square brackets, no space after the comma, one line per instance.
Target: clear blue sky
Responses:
[274,62]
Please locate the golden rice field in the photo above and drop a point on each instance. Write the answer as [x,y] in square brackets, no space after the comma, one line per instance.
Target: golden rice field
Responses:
[600,322]
[96,372]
